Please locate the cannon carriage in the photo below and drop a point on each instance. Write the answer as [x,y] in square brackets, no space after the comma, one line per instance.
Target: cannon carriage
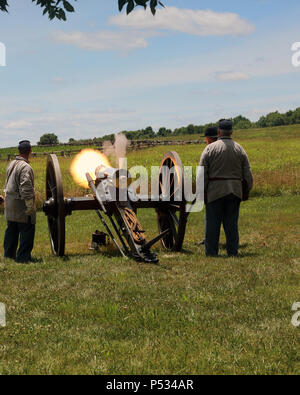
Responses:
[119,216]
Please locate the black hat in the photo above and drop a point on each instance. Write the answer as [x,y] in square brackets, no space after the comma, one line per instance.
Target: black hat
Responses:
[211,132]
[24,146]
[225,124]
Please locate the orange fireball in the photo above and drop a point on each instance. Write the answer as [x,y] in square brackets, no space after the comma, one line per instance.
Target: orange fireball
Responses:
[87,161]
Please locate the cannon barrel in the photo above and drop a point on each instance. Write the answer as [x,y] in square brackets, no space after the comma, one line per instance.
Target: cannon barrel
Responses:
[120,178]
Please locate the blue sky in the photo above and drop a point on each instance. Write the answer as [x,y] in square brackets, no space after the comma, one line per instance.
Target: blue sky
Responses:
[103,72]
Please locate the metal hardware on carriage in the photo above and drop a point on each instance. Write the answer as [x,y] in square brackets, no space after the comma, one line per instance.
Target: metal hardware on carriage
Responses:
[119,216]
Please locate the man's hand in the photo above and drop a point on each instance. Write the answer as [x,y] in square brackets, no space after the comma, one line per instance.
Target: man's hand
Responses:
[29,207]
[1,200]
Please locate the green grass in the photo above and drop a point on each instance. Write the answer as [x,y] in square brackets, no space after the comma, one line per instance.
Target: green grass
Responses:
[274,157]
[273,133]
[96,313]
[40,149]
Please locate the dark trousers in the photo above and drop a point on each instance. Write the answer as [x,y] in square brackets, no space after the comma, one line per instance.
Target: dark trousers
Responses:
[26,233]
[222,211]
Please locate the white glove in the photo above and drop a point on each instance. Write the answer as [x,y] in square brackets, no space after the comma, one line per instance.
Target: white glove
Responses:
[29,207]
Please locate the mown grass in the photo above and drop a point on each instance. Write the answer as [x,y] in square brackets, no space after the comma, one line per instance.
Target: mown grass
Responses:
[96,313]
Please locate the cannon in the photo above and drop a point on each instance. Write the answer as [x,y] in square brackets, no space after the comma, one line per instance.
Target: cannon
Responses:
[119,216]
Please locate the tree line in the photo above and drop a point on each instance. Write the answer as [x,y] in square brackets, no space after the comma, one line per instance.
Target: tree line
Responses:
[240,122]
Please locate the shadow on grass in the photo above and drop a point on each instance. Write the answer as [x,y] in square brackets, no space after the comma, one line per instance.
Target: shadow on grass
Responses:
[222,246]
[106,254]
[162,255]
[241,246]
[243,254]
[240,255]
[184,251]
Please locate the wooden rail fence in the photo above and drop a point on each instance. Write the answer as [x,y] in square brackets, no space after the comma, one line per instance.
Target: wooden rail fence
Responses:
[134,146]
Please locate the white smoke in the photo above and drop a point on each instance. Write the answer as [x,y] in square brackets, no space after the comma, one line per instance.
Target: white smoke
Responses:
[117,150]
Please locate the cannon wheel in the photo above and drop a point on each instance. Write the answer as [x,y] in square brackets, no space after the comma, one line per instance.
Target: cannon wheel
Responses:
[57,220]
[174,215]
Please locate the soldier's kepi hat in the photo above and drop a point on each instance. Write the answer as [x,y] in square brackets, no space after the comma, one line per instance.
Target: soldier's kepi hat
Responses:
[211,132]
[24,145]
[225,124]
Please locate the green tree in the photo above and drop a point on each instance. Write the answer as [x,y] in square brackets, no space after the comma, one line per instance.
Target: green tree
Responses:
[190,129]
[148,132]
[275,119]
[262,122]
[58,8]
[48,139]
[293,117]
[241,122]
[163,132]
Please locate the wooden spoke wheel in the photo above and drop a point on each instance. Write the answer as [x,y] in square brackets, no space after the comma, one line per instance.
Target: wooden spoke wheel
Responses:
[56,216]
[171,190]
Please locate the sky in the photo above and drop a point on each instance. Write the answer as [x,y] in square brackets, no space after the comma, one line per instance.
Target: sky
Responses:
[103,72]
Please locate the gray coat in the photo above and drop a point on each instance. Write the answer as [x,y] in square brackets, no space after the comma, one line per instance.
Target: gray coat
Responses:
[18,188]
[225,159]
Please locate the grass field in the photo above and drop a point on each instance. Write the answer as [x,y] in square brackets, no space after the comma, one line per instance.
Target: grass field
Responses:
[273,153]
[100,314]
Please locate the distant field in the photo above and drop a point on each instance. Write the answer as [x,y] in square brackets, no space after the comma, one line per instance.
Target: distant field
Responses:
[275,133]
[97,313]
[273,153]
[40,149]
[279,132]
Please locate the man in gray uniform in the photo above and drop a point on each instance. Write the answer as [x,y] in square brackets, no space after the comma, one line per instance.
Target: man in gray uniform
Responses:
[20,211]
[225,166]
[211,135]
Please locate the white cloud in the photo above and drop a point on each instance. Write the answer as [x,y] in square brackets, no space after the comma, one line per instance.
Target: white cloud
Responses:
[141,25]
[232,76]
[196,22]
[18,125]
[66,124]
[103,41]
